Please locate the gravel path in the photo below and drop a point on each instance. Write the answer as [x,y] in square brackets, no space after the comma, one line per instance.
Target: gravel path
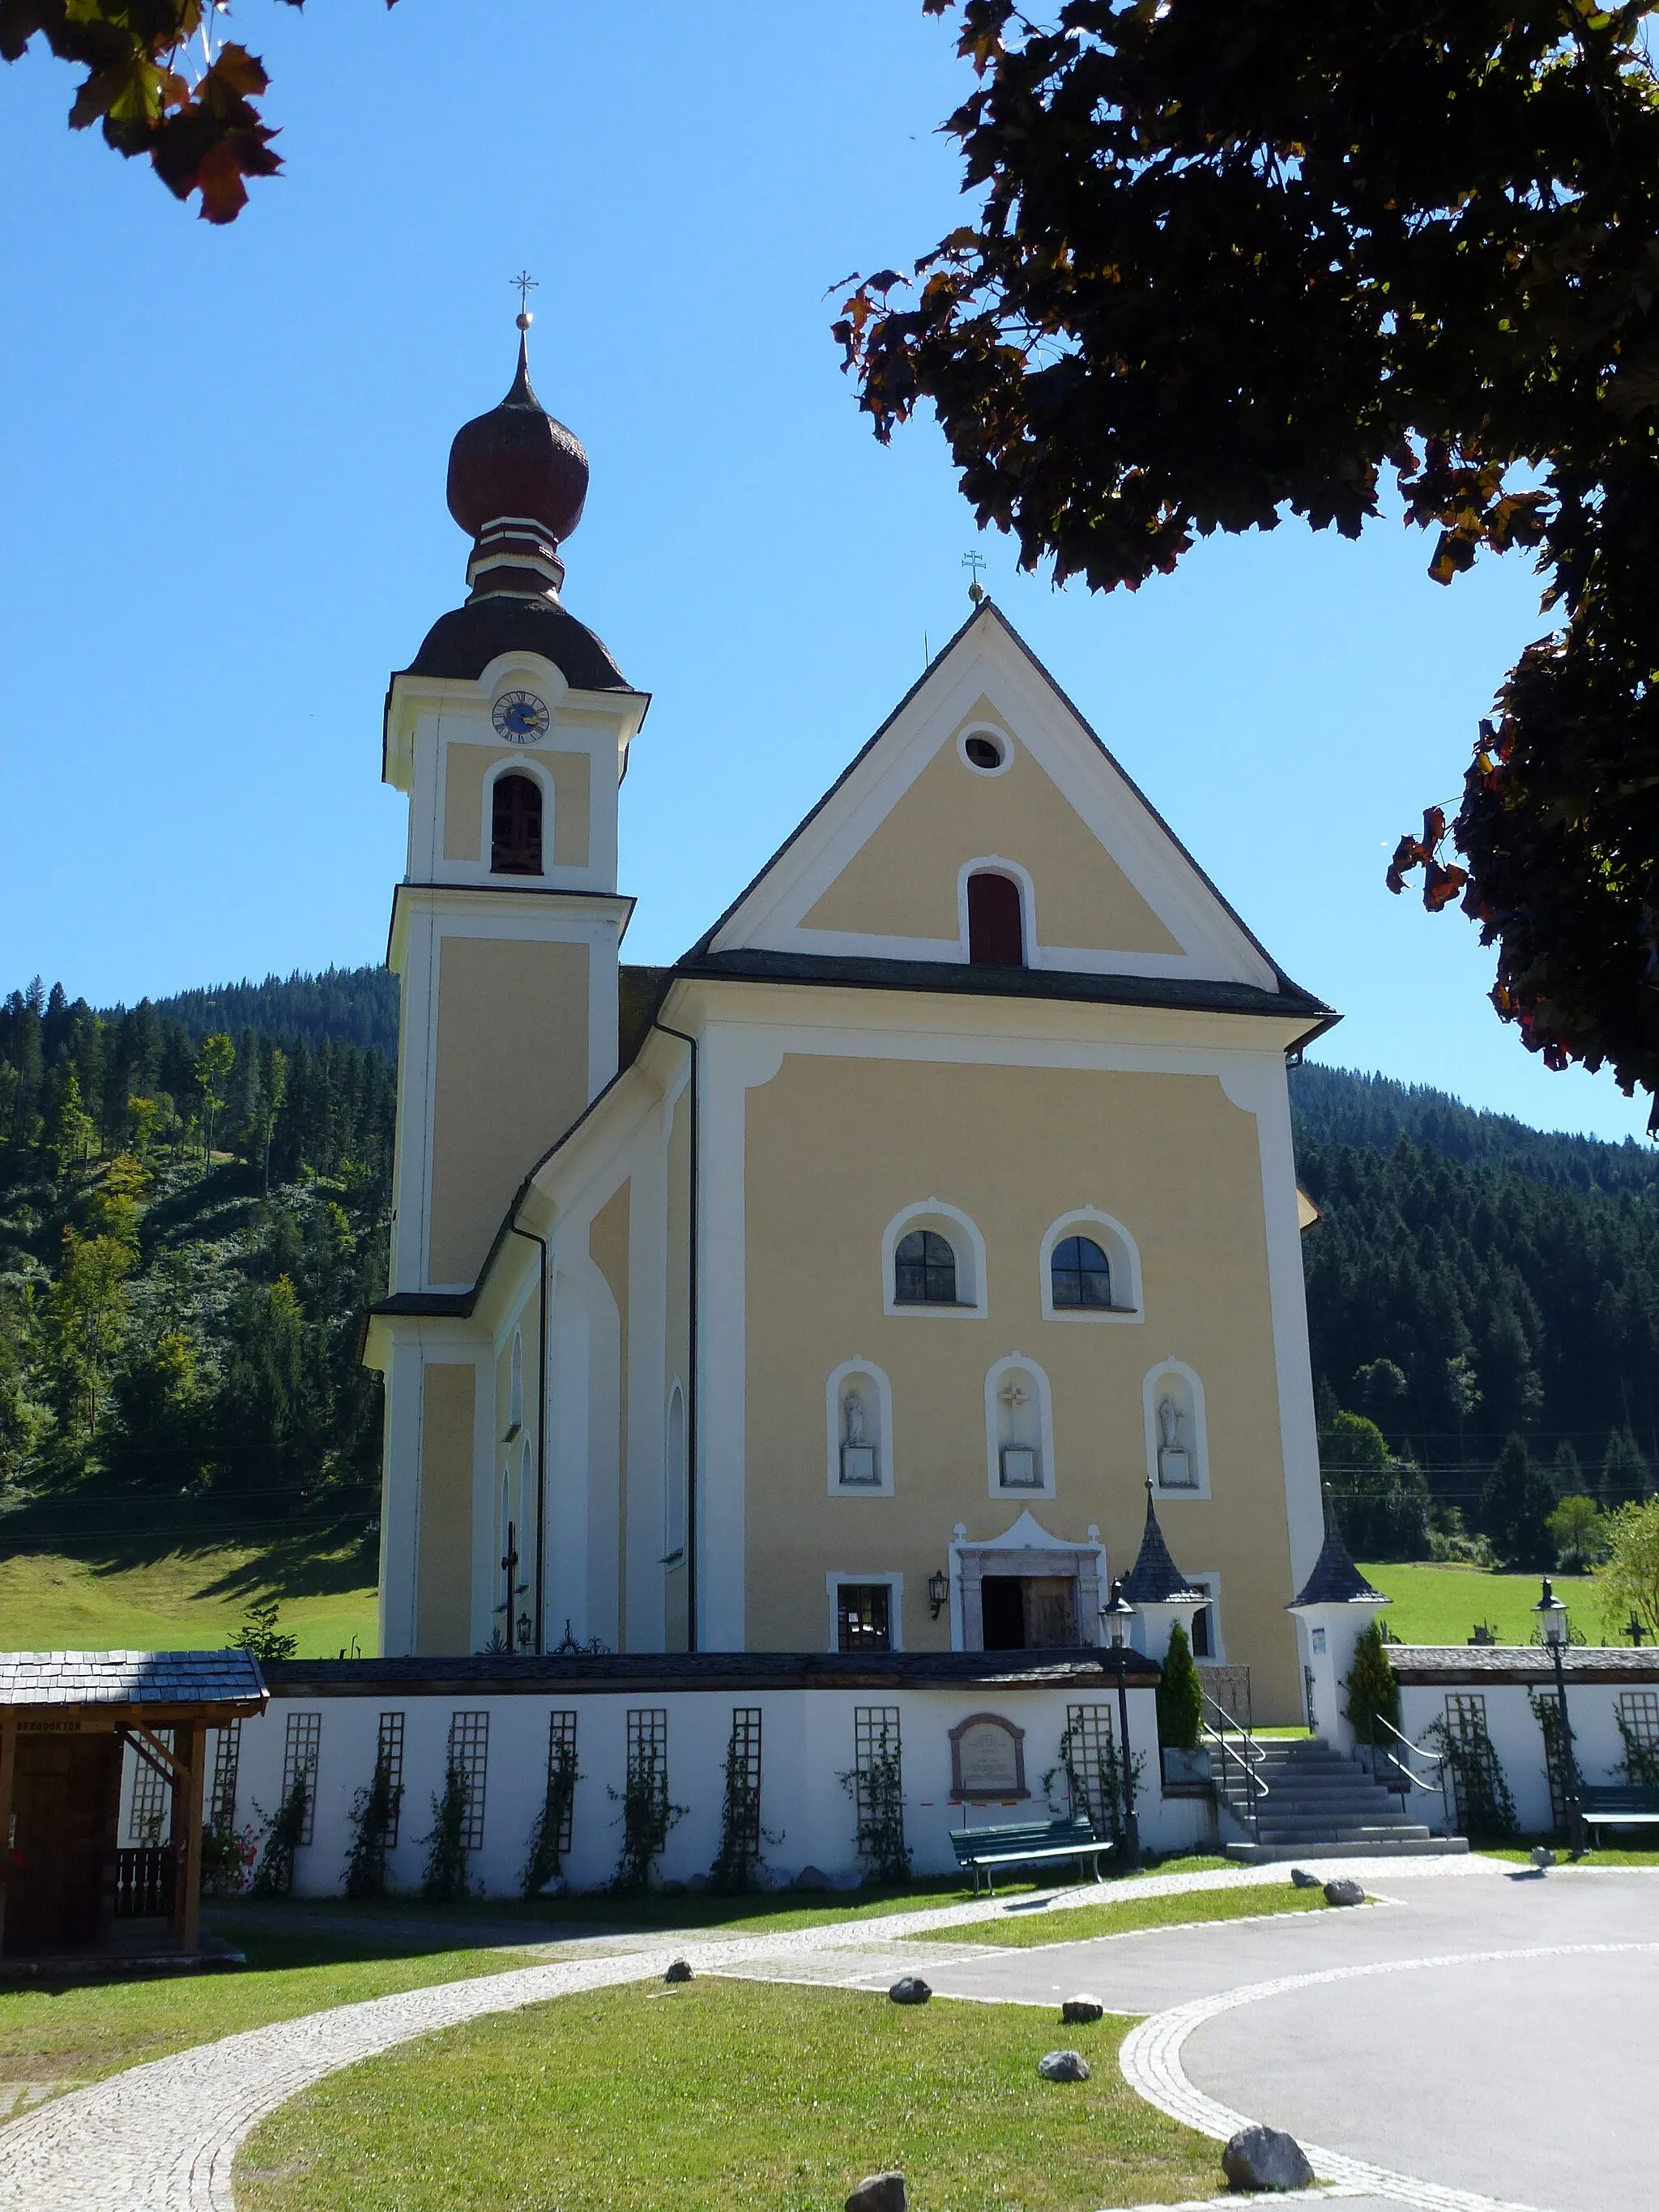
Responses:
[162,2138]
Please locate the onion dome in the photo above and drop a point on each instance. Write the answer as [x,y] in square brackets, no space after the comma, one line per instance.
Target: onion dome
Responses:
[517,480]
[517,483]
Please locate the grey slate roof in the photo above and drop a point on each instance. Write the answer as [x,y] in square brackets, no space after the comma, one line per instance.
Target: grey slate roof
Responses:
[490,1675]
[1336,1580]
[1155,1579]
[129,1678]
[466,640]
[1446,1665]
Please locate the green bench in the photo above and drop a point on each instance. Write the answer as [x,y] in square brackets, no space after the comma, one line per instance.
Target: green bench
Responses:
[1614,1807]
[1027,1842]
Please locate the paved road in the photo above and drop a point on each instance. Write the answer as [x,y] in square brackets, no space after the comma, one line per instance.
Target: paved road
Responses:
[1474,2041]
[1497,2037]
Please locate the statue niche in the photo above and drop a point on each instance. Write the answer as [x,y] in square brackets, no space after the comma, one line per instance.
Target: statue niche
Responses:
[860,1468]
[1175,1462]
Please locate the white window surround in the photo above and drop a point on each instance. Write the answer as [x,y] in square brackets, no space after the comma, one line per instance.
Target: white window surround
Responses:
[515,1387]
[1122,1254]
[993,1379]
[882,1438]
[1198,1443]
[832,1583]
[993,863]
[518,765]
[1210,1584]
[1000,739]
[965,1241]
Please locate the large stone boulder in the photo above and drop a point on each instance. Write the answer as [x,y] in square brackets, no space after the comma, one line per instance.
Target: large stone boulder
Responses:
[910,1989]
[1344,1892]
[1076,2011]
[1266,2157]
[679,1970]
[1301,1879]
[879,2193]
[1063,2066]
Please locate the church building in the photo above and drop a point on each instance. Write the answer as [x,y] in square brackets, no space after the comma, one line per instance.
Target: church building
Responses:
[854,1283]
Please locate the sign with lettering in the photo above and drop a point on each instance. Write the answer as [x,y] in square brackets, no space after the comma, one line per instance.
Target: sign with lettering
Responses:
[987,1758]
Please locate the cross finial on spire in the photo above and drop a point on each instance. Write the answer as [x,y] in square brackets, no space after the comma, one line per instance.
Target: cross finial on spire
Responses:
[975,561]
[525,283]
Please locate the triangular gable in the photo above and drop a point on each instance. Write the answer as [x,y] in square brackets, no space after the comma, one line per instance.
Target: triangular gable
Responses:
[877,869]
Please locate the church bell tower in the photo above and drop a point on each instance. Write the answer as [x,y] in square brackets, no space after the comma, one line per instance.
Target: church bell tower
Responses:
[510,732]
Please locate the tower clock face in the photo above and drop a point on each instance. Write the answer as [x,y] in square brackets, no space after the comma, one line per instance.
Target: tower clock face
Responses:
[521,717]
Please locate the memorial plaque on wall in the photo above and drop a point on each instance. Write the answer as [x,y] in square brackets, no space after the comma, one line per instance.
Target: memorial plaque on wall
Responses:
[987,1758]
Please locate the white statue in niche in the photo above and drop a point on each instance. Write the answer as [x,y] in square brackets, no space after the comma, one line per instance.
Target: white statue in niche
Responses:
[858,1453]
[1174,1465]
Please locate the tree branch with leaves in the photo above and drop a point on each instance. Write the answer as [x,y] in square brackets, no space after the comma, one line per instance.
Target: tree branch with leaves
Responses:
[1233,260]
[162,81]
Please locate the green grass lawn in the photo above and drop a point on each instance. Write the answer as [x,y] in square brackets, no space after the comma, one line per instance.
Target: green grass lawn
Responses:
[180,1601]
[744,2096]
[1610,1856]
[1441,1604]
[1076,1924]
[79,2034]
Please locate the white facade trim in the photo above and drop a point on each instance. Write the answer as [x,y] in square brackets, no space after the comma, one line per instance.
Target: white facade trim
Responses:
[1123,1255]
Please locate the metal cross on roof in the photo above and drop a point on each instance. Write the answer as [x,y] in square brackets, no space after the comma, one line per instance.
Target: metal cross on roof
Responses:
[975,561]
[526,284]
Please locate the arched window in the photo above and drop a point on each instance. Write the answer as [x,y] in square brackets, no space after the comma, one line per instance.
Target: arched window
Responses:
[996,934]
[675,1518]
[924,1270]
[515,827]
[1080,1275]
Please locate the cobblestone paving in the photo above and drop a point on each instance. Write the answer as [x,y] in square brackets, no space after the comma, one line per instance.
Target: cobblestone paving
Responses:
[162,2138]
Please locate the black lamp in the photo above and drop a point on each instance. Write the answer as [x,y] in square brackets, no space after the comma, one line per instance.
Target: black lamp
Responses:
[939,1590]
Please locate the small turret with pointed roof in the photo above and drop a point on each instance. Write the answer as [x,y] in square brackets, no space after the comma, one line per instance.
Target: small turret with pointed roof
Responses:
[1336,1580]
[1155,1579]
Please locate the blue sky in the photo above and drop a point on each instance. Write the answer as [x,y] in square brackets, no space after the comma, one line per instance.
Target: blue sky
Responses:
[222,517]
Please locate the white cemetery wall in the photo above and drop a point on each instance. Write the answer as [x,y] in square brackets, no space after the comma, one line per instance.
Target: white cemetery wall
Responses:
[807,1745]
[1517,1739]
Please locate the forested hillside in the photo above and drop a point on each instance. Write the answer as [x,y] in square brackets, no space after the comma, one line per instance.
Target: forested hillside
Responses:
[1483,1302]
[191,1221]
[193,1200]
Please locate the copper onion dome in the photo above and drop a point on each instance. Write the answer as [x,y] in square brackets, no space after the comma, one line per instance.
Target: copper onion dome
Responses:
[518,461]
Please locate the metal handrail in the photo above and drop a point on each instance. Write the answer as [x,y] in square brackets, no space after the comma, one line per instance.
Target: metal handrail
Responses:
[1249,1759]
[1415,1750]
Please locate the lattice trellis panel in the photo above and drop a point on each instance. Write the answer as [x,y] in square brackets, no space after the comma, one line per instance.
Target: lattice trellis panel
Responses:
[469,1751]
[561,1744]
[390,1747]
[301,1749]
[1089,1727]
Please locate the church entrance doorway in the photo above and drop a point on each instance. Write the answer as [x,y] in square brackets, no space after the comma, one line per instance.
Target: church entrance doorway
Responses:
[1028,1612]
[1025,1590]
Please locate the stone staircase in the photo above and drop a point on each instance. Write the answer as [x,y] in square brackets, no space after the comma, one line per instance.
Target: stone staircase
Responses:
[1320,1805]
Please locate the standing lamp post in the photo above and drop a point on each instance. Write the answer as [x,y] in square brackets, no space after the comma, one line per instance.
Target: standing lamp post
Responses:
[1552,1628]
[1117,1614]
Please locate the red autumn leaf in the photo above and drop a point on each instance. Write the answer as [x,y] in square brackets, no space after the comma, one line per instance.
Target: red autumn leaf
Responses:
[1441,886]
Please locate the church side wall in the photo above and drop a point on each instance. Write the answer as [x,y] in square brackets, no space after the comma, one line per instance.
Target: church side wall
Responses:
[677,1370]
[444,1561]
[512,1075]
[834,1147]
[608,1239]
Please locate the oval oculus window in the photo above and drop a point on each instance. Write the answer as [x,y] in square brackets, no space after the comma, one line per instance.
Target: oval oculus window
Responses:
[984,751]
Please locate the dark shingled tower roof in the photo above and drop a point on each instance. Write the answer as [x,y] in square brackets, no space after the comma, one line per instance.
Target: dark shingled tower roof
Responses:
[1336,1580]
[1155,1579]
